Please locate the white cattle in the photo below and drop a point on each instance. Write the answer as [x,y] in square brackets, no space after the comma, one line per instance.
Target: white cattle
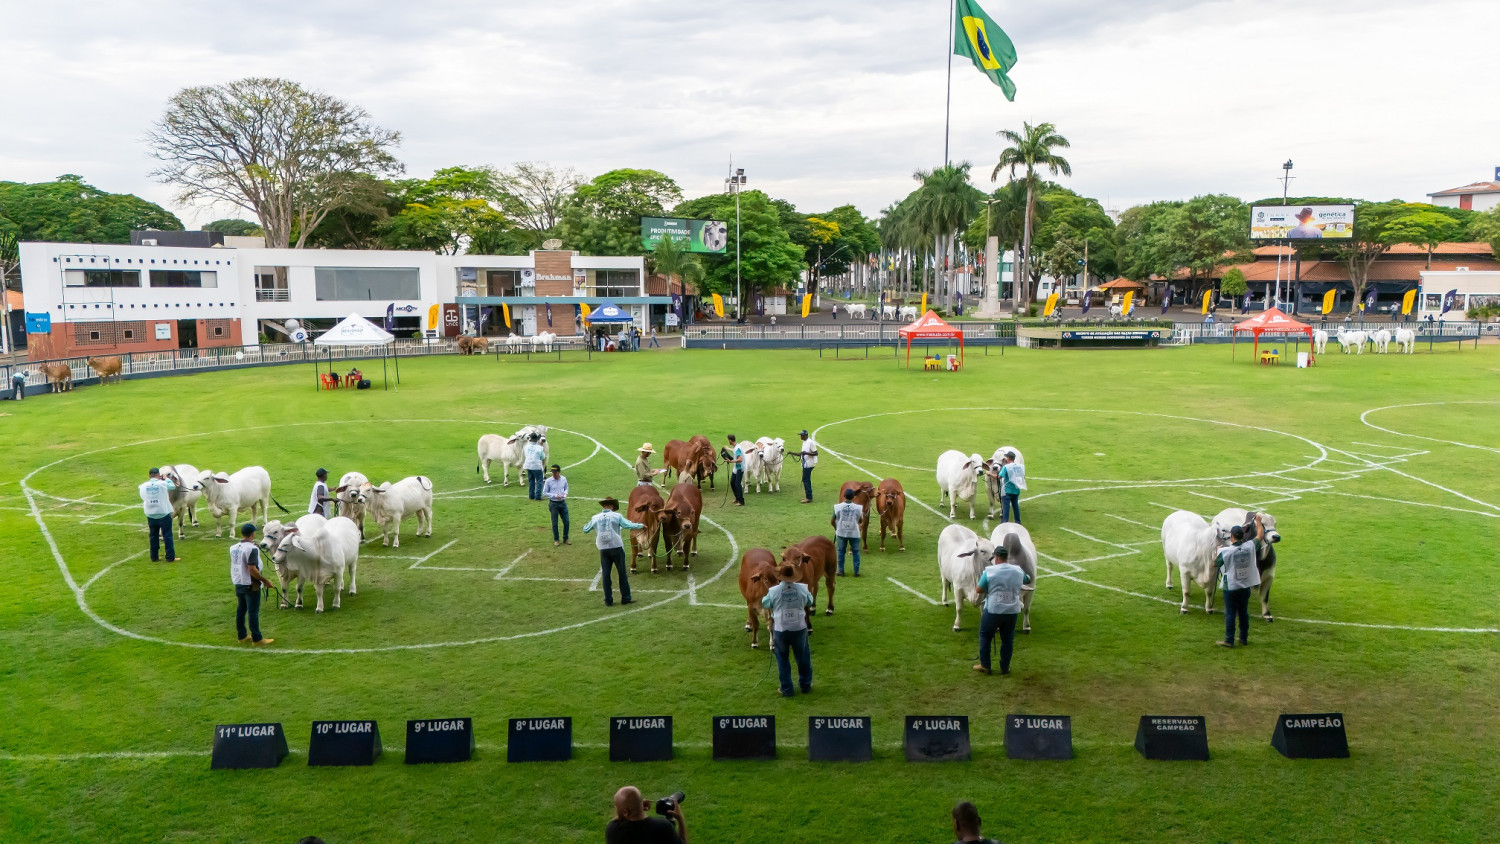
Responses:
[391,503]
[1265,558]
[1320,341]
[1192,545]
[856,311]
[185,497]
[992,482]
[270,539]
[1406,339]
[887,311]
[909,312]
[957,478]
[771,454]
[1022,552]
[509,451]
[1115,310]
[1381,340]
[962,555]
[321,556]
[351,501]
[1351,340]
[247,489]
[543,340]
[515,341]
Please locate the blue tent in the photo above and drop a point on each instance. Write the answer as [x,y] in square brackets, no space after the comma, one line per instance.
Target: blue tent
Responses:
[609,312]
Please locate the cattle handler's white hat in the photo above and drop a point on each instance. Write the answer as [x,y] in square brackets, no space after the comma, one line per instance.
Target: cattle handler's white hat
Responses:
[646,447]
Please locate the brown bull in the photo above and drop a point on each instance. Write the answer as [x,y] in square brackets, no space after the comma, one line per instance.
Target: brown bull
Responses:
[59,375]
[757,576]
[679,521]
[815,559]
[864,493]
[708,463]
[645,507]
[105,367]
[472,345]
[691,459]
[890,504]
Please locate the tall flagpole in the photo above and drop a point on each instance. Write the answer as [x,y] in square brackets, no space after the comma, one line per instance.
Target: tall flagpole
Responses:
[948,105]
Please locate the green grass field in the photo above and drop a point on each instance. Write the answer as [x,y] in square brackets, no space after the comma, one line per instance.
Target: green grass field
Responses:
[1387,570]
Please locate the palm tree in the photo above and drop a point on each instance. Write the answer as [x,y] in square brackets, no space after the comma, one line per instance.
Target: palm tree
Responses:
[1006,212]
[670,259]
[1031,150]
[944,205]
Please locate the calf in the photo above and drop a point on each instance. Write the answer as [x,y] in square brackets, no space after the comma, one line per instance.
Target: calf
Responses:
[351,499]
[391,503]
[1192,545]
[864,494]
[59,375]
[890,503]
[472,345]
[1381,341]
[321,556]
[962,555]
[105,367]
[247,489]
[679,521]
[757,576]
[270,539]
[644,506]
[1020,551]
[815,559]
[185,497]
[957,477]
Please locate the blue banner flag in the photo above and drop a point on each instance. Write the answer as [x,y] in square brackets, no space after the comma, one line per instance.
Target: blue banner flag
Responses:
[760,304]
[390,316]
[677,304]
[549,314]
[1450,300]
[1166,301]
[1245,303]
[1370,300]
[1083,301]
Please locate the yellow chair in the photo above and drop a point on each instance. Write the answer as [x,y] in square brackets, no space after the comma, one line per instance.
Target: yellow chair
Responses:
[931,363]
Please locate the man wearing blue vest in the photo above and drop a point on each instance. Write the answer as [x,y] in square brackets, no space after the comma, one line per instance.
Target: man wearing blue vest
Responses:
[788,602]
[1001,587]
[846,522]
[156,501]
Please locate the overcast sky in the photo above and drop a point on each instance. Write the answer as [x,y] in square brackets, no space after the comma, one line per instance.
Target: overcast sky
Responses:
[822,103]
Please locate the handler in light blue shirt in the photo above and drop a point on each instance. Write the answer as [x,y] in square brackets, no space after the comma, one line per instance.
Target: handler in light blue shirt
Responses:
[789,602]
[555,490]
[156,502]
[607,525]
[1001,587]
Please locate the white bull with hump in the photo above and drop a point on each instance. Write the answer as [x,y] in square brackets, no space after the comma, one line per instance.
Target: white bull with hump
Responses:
[247,489]
[1192,545]
[390,503]
[770,456]
[1406,340]
[908,312]
[351,501]
[509,451]
[1352,340]
[321,556]
[1320,341]
[957,478]
[856,311]
[962,555]
[185,497]
[1265,551]
[1381,341]
[1021,552]
[270,539]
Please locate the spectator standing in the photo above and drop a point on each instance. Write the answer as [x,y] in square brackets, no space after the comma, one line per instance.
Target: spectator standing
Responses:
[737,471]
[608,524]
[18,384]
[244,573]
[533,457]
[654,344]
[1241,574]
[320,497]
[846,521]
[632,824]
[789,602]
[1001,587]
[156,501]
[809,455]
[555,490]
[966,824]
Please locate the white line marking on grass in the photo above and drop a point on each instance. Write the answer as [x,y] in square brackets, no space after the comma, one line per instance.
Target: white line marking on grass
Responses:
[1134,522]
[558,580]
[1484,513]
[1098,540]
[597,581]
[105,570]
[421,560]
[1365,418]
[512,564]
[723,606]
[87,757]
[913,591]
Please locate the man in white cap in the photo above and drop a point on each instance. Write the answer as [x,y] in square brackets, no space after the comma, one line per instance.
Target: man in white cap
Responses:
[788,602]
[643,471]
[809,455]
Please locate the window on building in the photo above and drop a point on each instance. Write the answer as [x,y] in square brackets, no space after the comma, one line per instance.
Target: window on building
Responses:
[93,335]
[270,284]
[102,278]
[1432,301]
[218,331]
[367,283]
[503,282]
[184,278]
[616,283]
[129,334]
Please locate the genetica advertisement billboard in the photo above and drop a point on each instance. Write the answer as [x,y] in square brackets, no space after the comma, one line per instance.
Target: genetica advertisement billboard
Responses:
[1301,222]
[698,235]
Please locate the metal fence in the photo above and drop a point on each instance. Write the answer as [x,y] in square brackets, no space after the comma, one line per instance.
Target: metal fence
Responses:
[1184,333]
[851,331]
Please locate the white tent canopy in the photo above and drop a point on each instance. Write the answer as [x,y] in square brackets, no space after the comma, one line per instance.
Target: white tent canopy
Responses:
[355,330]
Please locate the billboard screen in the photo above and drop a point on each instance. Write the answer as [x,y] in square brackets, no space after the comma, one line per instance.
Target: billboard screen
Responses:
[1302,222]
[699,235]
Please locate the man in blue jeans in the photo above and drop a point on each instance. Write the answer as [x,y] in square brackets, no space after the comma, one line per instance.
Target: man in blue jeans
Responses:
[1241,575]
[244,573]
[156,501]
[1012,477]
[788,602]
[533,455]
[809,455]
[555,490]
[1001,587]
[846,520]
[611,547]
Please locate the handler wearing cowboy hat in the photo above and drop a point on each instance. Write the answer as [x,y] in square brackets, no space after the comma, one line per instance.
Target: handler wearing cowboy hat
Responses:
[611,548]
[643,471]
[788,602]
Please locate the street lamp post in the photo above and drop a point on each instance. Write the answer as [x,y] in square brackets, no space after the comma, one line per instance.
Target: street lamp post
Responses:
[733,184]
[1286,178]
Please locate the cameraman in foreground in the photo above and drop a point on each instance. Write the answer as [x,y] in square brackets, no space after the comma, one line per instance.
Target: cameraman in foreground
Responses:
[631,824]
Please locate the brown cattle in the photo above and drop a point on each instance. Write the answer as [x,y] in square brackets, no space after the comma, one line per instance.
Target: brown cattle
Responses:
[708,463]
[890,504]
[679,521]
[59,375]
[472,345]
[815,559]
[691,459]
[864,493]
[645,507]
[757,576]
[106,367]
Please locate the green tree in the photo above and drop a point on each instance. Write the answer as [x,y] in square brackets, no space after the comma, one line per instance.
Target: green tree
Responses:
[1143,243]
[70,210]
[1421,227]
[1233,282]
[1085,219]
[1211,231]
[454,211]
[671,259]
[1031,149]
[942,208]
[768,256]
[235,228]
[1486,227]
[1005,215]
[1064,258]
[533,194]
[603,216]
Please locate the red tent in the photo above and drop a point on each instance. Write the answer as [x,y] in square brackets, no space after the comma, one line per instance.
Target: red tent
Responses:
[930,325]
[1273,321]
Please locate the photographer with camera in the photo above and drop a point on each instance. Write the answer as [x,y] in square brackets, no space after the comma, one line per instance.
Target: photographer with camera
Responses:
[632,825]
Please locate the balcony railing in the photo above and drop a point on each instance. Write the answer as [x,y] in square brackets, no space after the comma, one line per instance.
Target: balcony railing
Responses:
[271,294]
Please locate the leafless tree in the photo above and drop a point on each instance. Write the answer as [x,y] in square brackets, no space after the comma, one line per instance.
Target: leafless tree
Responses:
[270,146]
[533,193]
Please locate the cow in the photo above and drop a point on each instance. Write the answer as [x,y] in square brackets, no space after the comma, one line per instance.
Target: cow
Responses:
[321,556]
[887,311]
[992,481]
[962,555]
[757,576]
[693,458]
[543,340]
[391,503]
[708,463]
[59,375]
[1406,339]
[890,504]
[185,497]
[1020,551]
[1320,341]
[771,453]
[472,345]
[1354,340]
[957,477]
[105,367]
[351,501]
[864,494]
[1380,341]
[1192,545]
[644,506]
[509,451]
[247,489]
[909,312]
[856,311]
[679,521]
[1265,558]
[270,539]
[815,559]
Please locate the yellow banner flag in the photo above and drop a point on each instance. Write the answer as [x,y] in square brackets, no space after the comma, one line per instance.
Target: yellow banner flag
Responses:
[432,317]
[1328,301]
[1129,304]
[1407,301]
[806,304]
[1050,306]
[1207,294]
[583,311]
[505,310]
[923,309]
[719,305]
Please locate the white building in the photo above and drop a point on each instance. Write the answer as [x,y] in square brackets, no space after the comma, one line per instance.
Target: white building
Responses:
[1477,196]
[1474,289]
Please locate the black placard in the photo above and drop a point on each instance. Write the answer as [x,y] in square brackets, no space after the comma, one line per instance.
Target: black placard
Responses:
[1311,736]
[838,738]
[1039,736]
[439,740]
[1172,737]
[745,737]
[645,739]
[937,738]
[248,746]
[539,740]
[344,743]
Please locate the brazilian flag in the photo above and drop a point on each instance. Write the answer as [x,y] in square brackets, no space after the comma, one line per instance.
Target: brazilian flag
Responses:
[978,37]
